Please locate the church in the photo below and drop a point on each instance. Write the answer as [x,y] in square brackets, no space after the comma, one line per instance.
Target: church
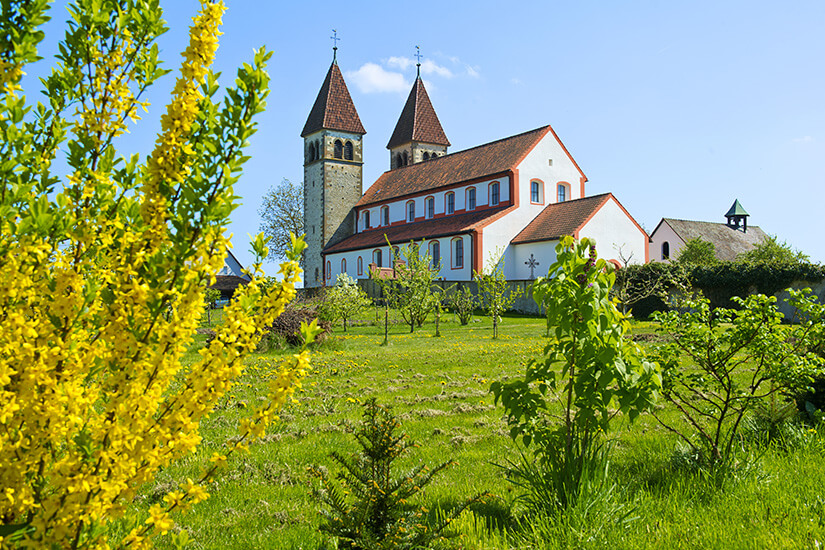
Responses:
[509,200]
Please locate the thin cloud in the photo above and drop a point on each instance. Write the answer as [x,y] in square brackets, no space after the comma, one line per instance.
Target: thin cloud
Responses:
[402,63]
[472,71]
[804,139]
[430,67]
[372,78]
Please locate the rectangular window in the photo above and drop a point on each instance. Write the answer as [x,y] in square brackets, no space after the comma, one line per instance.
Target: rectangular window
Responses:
[562,193]
[411,211]
[459,253]
[430,207]
[436,254]
[471,198]
[385,215]
[450,203]
[494,194]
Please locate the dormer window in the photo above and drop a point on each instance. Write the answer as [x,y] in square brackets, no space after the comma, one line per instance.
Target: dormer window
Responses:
[339,149]
[366,217]
[426,156]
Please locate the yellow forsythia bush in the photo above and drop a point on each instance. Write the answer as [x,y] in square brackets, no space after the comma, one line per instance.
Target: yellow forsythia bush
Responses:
[105,262]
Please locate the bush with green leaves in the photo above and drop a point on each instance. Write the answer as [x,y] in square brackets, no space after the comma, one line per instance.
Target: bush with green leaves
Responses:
[589,368]
[369,508]
[463,302]
[344,300]
[722,363]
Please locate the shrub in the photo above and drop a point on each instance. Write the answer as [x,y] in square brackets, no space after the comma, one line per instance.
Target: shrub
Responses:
[343,301]
[463,302]
[288,325]
[589,368]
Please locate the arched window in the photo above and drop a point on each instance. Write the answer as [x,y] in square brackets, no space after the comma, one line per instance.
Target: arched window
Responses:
[563,192]
[426,156]
[406,160]
[458,253]
[360,265]
[318,151]
[494,195]
[537,192]
[411,211]
[339,149]
[316,274]
[449,207]
[311,152]
[366,217]
[430,207]
[471,198]
[665,250]
[329,271]
[376,257]
[398,160]
[343,265]
[435,254]
[348,151]
[385,215]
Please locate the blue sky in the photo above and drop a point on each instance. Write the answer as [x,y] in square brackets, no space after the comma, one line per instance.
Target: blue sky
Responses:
[677,108]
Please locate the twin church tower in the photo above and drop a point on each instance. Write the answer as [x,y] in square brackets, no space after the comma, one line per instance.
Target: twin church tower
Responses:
[334,158]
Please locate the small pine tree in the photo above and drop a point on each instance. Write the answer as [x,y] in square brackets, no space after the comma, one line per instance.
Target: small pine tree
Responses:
[369,508]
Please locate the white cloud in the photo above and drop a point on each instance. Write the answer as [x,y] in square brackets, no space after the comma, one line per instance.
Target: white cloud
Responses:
[430,67]
[401,62]
[805,139]
[472,72]
[371,78]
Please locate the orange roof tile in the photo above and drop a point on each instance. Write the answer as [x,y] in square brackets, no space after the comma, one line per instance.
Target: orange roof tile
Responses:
[560,219]
[418,121]
[428,229]
[333,108]
[490,159]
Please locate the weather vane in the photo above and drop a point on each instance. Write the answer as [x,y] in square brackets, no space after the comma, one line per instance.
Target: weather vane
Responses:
[418,57]
[335,40]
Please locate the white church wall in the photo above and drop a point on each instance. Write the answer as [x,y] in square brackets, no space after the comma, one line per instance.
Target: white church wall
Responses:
[537,164]
[496,240]
[664,234]
[612,229]
[543,252]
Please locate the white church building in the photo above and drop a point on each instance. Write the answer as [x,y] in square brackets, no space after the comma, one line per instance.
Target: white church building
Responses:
[513,198]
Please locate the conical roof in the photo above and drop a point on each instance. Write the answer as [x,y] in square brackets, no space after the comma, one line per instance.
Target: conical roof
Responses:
[333,108]
[736,210]
[418,121]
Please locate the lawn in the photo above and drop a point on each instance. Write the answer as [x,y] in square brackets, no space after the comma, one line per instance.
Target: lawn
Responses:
[439,390]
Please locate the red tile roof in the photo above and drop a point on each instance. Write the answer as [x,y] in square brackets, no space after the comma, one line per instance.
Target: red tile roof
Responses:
[560,219]
[490,159]
[333,108]
[418,121]
[428,229]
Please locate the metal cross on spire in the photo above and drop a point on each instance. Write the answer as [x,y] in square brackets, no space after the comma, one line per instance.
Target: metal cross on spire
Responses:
[335,40]
[532,264]
[418,57]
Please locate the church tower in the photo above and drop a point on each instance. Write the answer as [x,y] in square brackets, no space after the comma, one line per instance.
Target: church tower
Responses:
[333,164]
[418,135]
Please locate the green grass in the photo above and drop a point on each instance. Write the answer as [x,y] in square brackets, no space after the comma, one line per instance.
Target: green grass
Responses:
[438,388]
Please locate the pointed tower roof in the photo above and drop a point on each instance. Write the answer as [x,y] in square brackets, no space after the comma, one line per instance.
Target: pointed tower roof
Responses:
[333,108]
[418,121]
[736,210]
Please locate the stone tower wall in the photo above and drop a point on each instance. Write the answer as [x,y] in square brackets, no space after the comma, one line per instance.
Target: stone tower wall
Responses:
[331,188]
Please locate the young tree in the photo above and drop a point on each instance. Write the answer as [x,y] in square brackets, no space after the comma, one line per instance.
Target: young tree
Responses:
[210,295]
[282,212]
[463,302]
[697,252]
[589,368]
[109,266]
[494,291]
[636,282]
[723,362]
[411,291]
[344,300]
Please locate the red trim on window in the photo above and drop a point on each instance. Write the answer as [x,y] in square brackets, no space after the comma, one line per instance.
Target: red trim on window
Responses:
[359,264]
[453,254]
[407,211]
[567,191]
[490,193]
[446,202]
[343,265]
[426,207]
[329,271]
[541,191]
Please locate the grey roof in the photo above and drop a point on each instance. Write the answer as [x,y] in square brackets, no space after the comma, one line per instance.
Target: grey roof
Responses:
[728,241]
